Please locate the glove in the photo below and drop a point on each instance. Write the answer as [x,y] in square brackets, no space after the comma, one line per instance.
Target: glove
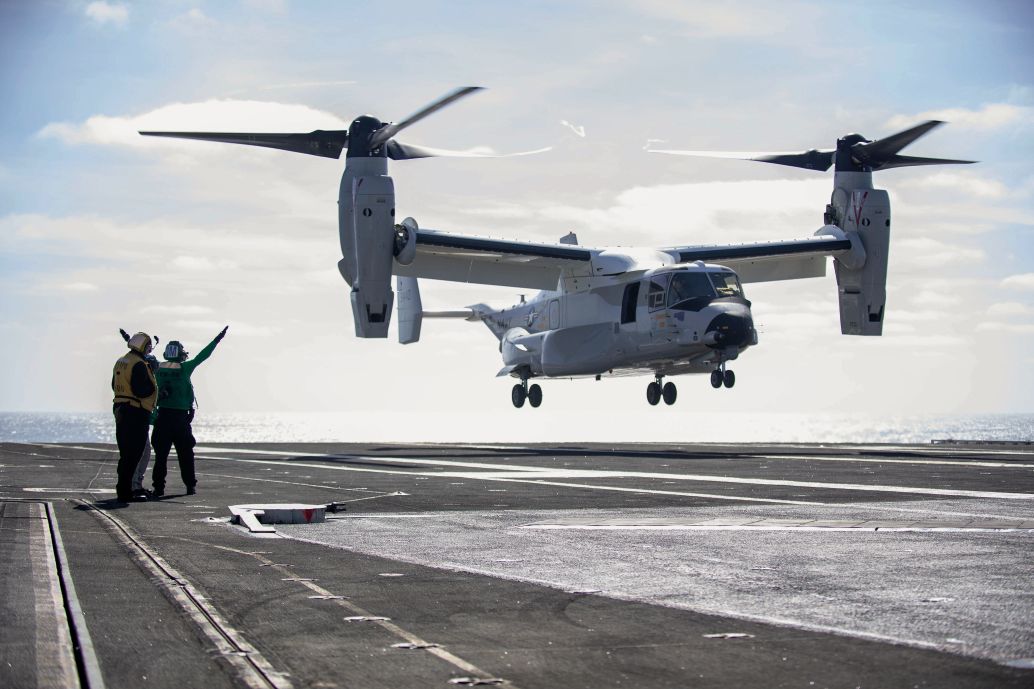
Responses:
[124,334]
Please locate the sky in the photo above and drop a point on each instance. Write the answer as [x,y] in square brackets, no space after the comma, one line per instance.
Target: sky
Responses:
[102,229]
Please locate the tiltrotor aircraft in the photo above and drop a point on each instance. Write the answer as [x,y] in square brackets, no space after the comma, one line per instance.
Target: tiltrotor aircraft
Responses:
[661,312]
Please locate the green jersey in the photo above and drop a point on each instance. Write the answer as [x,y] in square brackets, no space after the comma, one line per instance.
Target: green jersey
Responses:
[175,390]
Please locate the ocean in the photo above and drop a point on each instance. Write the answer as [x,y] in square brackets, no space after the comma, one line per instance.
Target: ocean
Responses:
[519,427]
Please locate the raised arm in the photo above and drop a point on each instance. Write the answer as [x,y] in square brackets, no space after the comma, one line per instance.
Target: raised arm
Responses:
[205,353]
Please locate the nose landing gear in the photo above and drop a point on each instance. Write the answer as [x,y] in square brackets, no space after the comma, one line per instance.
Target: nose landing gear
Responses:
[655,392]
[521,392]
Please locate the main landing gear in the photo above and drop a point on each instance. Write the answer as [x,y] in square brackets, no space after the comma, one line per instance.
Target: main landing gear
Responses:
[521,391]
[655,392]
[721,376]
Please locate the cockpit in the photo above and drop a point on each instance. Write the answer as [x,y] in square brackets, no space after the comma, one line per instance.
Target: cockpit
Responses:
[691,290]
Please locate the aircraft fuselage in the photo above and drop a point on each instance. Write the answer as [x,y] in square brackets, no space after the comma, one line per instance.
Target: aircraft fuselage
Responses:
[669,320]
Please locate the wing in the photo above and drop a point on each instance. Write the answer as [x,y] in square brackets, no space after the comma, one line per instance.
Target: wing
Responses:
[768,261]
[460,258]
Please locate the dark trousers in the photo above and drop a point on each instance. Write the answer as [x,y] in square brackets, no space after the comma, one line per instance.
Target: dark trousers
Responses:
[131,426]
[173,428]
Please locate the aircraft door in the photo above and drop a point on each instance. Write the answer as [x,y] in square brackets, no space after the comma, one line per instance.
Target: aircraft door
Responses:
[554,314]
[629,303]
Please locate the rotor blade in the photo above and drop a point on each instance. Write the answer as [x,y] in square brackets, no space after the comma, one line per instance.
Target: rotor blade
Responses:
[909,161]
[393,128]
[809,160]
[324,143]
[400,151]
[874,152]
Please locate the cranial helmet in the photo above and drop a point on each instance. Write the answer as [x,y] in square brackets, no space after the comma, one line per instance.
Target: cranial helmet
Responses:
[141,342]
[174,351]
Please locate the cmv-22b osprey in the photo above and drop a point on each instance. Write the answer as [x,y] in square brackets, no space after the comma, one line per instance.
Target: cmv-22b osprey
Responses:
[602,311]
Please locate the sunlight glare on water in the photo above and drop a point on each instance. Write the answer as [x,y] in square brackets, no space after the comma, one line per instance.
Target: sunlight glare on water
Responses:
[520,428]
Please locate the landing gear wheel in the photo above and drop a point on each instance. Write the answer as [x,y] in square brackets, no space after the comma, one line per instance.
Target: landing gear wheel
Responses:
[653,394]
[716,379]
[729,379]
[535,395]
[517,395]
[669,392]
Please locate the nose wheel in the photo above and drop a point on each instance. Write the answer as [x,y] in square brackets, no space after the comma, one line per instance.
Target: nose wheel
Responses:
[655,392]
[522,391]
[721,376]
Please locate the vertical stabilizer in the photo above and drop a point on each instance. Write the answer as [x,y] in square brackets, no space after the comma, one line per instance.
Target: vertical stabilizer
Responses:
[411,309]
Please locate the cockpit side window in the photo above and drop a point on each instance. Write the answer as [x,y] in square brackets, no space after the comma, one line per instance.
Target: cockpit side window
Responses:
[727,284]
[655,295]
[688,285]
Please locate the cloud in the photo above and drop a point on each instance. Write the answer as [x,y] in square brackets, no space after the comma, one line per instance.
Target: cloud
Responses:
[1000,327]
[192,20]
[970,184]
[213,115]
[296,85]
[1021,281]
[80,287]
[1010,308]
[924,252]
[694,213]
[237,328]
[991,116]
[271,6]
[202,264]
[107,13]
[721,20]
[178,310]
[935,298]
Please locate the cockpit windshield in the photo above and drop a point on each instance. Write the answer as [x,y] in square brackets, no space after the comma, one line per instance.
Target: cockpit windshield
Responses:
[687,285]
[726,284]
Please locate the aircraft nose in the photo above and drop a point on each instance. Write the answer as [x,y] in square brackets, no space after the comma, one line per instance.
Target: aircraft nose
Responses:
[730,329]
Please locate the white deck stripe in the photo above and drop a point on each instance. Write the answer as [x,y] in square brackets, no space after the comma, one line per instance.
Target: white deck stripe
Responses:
[517,469]
[55,659]
[384,623]
[494,477]
[250,667]
[876,460]
[87,655]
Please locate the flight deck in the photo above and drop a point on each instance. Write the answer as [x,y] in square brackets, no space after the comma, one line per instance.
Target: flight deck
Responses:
[704,565]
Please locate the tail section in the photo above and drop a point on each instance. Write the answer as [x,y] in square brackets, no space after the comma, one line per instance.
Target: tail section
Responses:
[411,310]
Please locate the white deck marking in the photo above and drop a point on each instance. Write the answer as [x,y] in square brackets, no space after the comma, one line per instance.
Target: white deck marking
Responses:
[475,475]
[383,622]
[55,660]
[525,474]
[877,460]
[250,666]
[87,654]
[514,473]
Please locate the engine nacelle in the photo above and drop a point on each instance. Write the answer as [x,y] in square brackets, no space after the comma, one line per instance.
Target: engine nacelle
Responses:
[373,243]
[862,288]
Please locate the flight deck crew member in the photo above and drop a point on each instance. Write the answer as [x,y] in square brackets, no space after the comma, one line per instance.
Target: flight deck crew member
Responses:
[175,412]
[136,392]
[145,457]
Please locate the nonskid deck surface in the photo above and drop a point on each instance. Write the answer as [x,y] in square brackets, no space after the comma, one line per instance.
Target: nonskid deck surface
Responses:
[534,566]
